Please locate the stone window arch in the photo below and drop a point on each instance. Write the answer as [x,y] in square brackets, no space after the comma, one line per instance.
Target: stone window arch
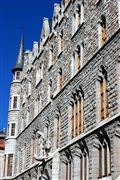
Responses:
[77,112]
[81,156]
[101,155]
[102,94]
[78,17]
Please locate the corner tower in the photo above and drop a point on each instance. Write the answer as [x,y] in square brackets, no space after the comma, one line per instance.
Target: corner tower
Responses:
[14,105]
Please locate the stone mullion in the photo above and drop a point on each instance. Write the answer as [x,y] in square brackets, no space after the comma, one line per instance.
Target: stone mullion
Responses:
[75,118]
[78,108]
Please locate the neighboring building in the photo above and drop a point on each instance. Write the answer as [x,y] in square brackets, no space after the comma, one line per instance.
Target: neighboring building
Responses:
[2,149]
[64,113]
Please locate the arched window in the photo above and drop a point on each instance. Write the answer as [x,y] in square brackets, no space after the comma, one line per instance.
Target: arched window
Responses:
[51,56]
[102,94]
[78,17]
[78,58]
[60,79]
[104,159]
[61,42]
[102,35]
[77,114]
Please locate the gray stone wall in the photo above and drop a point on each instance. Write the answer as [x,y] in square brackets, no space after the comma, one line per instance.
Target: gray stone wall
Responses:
[107,56]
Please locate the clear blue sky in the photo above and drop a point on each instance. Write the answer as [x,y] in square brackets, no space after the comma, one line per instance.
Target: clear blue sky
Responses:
[15,16]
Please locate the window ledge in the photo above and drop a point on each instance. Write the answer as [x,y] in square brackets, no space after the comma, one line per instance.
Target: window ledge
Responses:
[60,54]
[37,84]
[55,25]
[105,178]
[10,137]
[73,35]
[88,133]
[66,7]
[98,2]
[29,96]
[13,110]
[42,50]
[61,19]
[23,103]
[17,80]
[50,67]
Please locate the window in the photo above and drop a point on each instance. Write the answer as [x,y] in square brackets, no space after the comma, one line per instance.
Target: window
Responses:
[102,98]
[78,17]
[18,75]
[102,36]
[29,88]
[58,132]
[39,74]
[83,164]
[37,145]
[68,170]
[4,165]
[77,115]
[15,99]
[50,89]
[10,165]
[104,160]
[37,105]
[27,116]
[77,59]
[51,56]
[10,102]
[13,129]
[8,130]
[103,86]
[61,42]
[24,97]
[60,79]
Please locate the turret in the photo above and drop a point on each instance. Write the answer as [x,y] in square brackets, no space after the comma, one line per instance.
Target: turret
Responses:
[13,113]
[19,62]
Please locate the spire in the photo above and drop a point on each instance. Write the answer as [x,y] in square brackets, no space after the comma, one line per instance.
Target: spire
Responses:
[20,57]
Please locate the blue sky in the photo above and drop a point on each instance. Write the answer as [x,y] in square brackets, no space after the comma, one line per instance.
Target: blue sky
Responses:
[17,16]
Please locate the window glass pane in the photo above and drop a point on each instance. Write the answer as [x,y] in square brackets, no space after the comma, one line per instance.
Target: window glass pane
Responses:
[15,102]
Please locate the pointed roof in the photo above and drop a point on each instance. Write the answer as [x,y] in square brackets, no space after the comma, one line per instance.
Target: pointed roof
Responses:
[20,57]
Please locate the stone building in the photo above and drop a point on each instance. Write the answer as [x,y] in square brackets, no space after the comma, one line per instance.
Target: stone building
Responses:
[2,149]
[64,113]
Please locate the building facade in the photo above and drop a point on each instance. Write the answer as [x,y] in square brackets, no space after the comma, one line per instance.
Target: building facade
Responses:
[2,149]
[64,113]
